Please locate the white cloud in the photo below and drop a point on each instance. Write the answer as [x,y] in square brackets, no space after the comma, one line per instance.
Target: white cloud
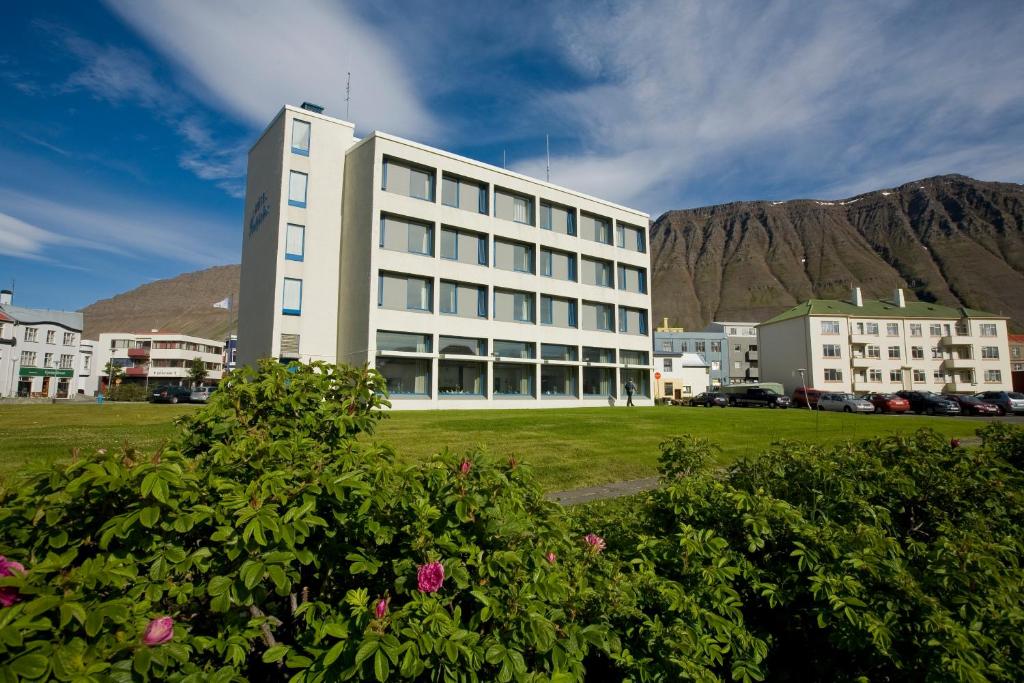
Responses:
[24,240]
[248,58]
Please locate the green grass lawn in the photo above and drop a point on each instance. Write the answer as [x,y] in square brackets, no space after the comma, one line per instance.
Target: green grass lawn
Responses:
[567,448]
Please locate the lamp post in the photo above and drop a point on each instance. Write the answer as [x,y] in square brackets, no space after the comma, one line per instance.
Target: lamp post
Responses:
[803,383]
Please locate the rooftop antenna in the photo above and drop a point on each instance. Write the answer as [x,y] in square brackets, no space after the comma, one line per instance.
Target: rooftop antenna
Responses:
[503,160]
[547,147]
[348,92]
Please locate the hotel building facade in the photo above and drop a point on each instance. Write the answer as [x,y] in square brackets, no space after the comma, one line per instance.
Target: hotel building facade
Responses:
[466,285]
[156,358]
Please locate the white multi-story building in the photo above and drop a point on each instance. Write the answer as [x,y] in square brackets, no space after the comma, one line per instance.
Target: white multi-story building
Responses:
[464,284]
[884,346]
[681,375]
[38,350]
[155,358]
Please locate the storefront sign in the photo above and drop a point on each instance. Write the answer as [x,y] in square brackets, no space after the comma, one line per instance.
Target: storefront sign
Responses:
[260,211]
[45,372]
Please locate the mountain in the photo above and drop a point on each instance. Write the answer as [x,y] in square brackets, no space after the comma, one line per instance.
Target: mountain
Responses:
[179,304]
[950,239]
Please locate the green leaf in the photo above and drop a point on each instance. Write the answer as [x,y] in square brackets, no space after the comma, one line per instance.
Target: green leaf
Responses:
[141,661]
[335,652]
[30,666]
[149,516]
[275,654]
[368,647]
[381,667]
[218,585]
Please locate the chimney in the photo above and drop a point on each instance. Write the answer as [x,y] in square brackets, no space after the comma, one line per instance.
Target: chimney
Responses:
[664,323]
[856,298]
[6,297]
[898,298]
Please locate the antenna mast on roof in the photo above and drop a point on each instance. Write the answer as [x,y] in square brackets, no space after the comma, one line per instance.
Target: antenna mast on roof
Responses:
[348,92]
[547,148]
[503,160]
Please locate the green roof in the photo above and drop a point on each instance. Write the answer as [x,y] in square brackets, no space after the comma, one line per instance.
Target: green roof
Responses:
[874,308]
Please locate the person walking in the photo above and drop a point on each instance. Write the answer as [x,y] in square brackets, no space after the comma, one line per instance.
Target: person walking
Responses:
[630,389]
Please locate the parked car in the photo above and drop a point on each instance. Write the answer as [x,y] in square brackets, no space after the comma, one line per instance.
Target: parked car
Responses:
[844,403]
[765,398]
[709,399]
[201,394]
[806,398]
[170,394]
[929,402]
[1007,401]
[888,403]
[972,405]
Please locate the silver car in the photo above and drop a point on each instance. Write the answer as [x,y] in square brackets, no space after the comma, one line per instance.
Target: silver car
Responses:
[845,403]
[201,394]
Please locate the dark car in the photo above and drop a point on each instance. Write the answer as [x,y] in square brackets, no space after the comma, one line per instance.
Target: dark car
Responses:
[930,403]
[170,394]
[709,399]
[1008,402]
[888,403]
[764,398]
[972,405]
[806,398]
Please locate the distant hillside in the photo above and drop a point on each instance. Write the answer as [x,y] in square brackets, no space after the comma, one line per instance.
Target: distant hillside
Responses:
[950,239]
[179,304]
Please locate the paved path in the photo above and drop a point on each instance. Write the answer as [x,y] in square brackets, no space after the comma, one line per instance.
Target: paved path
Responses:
[617,489]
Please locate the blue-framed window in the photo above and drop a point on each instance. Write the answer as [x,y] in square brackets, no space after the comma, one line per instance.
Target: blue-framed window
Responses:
[513,206]
[405,292]
[460,193]
[298,183]
[464,300]
[408,179]
[291,296]
[405,376]
[631,237]
[295,242]
[560,219]
[300,137]
[463,246]
[401,234]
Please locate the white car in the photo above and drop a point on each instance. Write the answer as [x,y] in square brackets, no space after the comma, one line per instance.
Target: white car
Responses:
[201,394]
[845,403]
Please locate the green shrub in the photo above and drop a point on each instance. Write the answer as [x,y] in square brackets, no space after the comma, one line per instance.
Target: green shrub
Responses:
[127,392]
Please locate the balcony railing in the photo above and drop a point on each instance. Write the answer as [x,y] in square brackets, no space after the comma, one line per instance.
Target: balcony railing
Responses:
[958,363]
[139,371]
[138,352]
[956,339]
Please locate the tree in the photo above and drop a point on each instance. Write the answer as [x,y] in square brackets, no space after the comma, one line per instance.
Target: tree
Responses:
[114,373]
[197,371]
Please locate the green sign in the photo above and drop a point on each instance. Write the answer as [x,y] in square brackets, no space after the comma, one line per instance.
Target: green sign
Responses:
[45,372]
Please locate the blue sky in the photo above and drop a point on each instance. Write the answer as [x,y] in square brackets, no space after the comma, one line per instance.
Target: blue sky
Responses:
[124,125]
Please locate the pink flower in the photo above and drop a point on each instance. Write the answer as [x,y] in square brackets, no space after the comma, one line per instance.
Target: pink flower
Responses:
[9,594]
[381,608]
[955,443]
[551,557]
[430,576]
[158,631]
[595,542]
[464,467]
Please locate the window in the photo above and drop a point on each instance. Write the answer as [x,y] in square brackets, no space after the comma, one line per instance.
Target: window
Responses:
[684,346]
[598,381]
[51,336]
[557,381]
[895,375]
[641,380]
[31,333]
[632,320]
[872,328]
[300,137]
[666,346]
[401,234]
[464,194]
[294,242]
[938,377]
[630,237]
[593,354]
[892,329]
[66,361]
[405,376]
[405,292]
[48,360]
[920,376]
[669,386]
[460,378]
[558,264]
[464,246]
[409,180]
[874,375]
[513,306]
[700,346]
[990,352]
[464,300]
[833,375]
[557,311]
[560,219]
[513,379]
[514,256]
[917,352]
[514,349]
[666,365]
[915,329]
[988,329]
[512,206]
[404,341]
[633,279]
[830,350]
[716,365]
[595,272]
[630,357]
[86,362]
[716,347]
[830,327]
[936,352]
[291,296]
[935,330]
[993,376]
[558,352]
[595,228]
[601,317]
[28,359]
[894,352]
[69,339]
[297,183]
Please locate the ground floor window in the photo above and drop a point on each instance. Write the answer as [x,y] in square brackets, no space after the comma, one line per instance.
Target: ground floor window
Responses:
[63,385]
[641,378]
[558,380]
[24,386]
[598,382]
[405,376]
[455,378]
[513,379]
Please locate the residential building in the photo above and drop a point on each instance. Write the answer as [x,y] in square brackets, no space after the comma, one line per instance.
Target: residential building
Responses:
[41,350]
[711,346]
[464,284]
[156,358]
[864,345]
[741,344]
[85,384]
[1017,361]
[230,352]
[683,375]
